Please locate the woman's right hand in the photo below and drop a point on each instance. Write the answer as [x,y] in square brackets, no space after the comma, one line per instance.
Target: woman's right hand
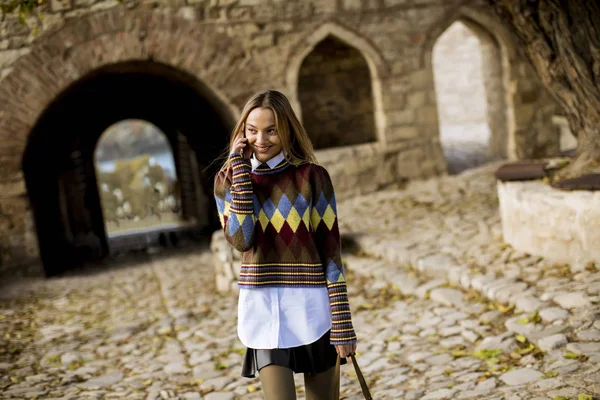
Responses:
[241,147]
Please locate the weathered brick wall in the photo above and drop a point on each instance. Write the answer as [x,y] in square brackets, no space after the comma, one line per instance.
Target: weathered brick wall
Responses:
[238,47]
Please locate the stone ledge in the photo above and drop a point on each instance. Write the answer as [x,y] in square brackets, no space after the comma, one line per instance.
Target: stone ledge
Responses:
[365,168]
[557,225]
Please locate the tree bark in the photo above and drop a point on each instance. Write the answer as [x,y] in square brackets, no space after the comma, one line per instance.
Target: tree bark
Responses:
[562,40]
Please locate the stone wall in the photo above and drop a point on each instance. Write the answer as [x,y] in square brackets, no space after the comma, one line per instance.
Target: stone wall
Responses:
[227,263]
[558,225]
[233,49]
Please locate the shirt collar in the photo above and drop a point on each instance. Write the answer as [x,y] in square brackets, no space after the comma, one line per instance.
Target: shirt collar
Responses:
[273,162]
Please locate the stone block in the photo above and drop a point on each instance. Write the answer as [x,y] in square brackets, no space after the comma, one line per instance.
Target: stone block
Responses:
[448,296]
[584,348]
[227,262]
[399,84]
[264,40]
[398,133]
[521,376]
[552,342]
[352,4]
[422,79]
[416,99]
[401,117]
[572,300]
[524,113]
[551,314]
[589,335]
[60,5]
[188,13]
[393,101]
[427,115]
[12,189]
[8,57]
[557,225]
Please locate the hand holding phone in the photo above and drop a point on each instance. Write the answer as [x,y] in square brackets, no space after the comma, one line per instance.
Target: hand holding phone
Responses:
[241,146]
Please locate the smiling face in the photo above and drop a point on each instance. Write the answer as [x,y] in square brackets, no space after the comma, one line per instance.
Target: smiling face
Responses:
[261,131]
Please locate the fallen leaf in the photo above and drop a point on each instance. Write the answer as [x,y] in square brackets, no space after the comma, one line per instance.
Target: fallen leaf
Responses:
[459,353]
[504,309]
[527,349]
[487,353]
[521,338]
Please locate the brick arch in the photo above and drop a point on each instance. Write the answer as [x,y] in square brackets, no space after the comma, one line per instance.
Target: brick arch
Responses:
[62,57]
[497,40]
[375,61]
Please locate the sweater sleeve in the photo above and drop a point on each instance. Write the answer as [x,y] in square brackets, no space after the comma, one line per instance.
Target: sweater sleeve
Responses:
[324,225]
[235,204]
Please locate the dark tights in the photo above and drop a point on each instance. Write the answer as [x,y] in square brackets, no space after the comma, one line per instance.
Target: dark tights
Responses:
[278,384]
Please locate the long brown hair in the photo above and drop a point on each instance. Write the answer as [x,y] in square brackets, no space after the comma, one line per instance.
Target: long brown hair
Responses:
[294,140]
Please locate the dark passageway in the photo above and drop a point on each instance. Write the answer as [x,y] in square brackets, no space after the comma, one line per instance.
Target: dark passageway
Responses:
[59,159]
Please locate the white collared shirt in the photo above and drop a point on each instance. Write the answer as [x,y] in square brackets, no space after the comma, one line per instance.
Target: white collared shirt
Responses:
[282,317]
[271,163]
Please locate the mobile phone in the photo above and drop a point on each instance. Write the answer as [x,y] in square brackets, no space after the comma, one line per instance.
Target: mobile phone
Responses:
[244,136]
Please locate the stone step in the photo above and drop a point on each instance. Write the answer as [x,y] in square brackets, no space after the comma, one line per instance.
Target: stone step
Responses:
[439,278]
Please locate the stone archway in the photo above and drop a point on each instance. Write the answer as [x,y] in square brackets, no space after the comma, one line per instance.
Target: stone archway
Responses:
[522,110]
[334,90]
[375,62]
[59,165]
[494,58]
[115,42]
[469,96]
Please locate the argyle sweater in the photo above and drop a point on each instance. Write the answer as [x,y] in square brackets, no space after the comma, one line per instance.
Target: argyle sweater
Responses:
[284,221]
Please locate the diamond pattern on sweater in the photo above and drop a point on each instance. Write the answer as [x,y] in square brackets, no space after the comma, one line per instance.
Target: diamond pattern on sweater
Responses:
[263,219]
[284,206]
[329,217]
[294,219]
[269,208]
[277,220]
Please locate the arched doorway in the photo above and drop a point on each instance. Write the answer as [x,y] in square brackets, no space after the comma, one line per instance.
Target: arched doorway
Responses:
[137,180]
[335,94]
[59,162]
[470,95]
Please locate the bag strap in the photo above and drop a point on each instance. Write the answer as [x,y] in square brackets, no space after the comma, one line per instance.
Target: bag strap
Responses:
[336,380]
[361,378]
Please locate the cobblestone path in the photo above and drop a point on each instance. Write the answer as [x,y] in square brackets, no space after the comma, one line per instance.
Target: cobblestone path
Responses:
[443,310]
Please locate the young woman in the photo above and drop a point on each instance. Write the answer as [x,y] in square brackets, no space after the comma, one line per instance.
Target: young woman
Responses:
[278,207]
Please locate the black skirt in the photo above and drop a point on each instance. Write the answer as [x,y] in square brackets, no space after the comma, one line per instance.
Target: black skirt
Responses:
[312,359]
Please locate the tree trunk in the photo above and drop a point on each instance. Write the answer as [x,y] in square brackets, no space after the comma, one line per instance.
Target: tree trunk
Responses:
[562,40]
